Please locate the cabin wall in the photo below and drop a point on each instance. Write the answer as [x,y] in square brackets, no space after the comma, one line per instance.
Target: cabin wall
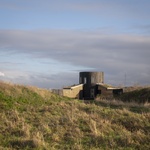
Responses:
[75,92]
[105,91]
[90,79]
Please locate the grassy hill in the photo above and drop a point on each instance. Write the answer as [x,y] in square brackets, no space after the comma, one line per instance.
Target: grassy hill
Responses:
[33,118]
[139,95]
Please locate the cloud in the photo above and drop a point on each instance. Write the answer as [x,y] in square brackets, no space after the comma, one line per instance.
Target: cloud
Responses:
[2,74]
[113,53]
[73,46]
[42,80]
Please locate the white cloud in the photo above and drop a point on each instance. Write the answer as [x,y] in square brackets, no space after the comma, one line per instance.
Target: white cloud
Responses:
[2,74]
[115,54]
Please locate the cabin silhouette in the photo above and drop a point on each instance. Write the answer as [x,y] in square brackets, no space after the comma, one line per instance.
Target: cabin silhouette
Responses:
[91,85]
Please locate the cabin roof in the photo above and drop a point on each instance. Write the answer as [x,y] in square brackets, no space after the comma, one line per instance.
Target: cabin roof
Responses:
[73,86]
[108,86]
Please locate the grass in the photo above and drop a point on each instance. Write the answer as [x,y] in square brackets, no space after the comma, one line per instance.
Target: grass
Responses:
[118,104]
[33,118]
[137,94]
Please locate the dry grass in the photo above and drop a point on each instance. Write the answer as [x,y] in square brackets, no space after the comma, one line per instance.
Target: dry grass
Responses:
[134,87]
[121,103]
[32,118]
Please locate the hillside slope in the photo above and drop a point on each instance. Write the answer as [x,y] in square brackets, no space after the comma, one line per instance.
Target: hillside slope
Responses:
[32,118]
[141,95]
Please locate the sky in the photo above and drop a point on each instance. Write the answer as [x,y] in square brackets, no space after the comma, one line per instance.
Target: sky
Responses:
[46,43]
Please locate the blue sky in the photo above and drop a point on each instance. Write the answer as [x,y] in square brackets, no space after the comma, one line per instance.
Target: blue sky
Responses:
[47,43]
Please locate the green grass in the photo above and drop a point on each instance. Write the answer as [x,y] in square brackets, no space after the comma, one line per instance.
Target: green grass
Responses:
[32,118]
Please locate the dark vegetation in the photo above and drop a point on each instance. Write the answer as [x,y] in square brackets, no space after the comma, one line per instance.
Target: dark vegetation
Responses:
[138,96]
[32,118]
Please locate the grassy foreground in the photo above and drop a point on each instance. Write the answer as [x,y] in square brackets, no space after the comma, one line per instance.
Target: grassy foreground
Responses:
[32,118]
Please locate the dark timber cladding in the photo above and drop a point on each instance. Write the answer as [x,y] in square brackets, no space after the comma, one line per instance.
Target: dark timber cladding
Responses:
[90,79]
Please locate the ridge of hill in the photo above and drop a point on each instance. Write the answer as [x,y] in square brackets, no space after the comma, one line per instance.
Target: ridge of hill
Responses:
[141,95]
[33,118]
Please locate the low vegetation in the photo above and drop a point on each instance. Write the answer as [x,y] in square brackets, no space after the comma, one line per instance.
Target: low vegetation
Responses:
[32,118]
[140,95]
